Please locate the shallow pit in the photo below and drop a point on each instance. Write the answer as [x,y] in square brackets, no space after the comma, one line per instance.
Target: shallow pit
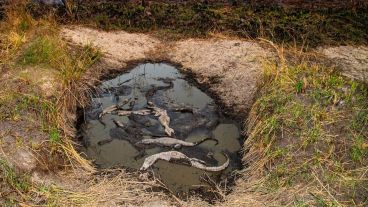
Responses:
[194,116]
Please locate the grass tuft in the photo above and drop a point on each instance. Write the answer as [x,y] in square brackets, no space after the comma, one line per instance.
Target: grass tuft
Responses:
[42,51]
[310,126]
[19,183]
[28,44]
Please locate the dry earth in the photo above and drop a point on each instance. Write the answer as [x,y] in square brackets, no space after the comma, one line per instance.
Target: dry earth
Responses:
[352,61]
[119,47]
[229,68]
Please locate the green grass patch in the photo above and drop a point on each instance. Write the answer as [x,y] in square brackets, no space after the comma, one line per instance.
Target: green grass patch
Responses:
[314,123]
[36,43]
[13,181]
[16,105]
[72,67]
[41,51]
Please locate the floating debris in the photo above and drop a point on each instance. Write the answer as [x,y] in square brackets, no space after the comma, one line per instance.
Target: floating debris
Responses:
[118,123]
[105,141]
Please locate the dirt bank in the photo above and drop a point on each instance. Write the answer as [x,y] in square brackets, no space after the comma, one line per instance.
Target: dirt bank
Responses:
[229,68]
[119,47]
[351,61]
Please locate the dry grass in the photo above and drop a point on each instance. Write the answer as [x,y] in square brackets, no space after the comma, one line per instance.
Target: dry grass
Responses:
[26,43]
[107,188]
[308,139]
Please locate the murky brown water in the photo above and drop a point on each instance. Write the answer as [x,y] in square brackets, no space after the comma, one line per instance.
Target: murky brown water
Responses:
[163,85]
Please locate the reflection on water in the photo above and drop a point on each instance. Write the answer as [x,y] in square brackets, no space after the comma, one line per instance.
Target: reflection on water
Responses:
[163,85]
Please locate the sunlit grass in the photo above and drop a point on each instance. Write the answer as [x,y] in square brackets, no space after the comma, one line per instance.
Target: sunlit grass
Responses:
[310,125]
[41,51]
[28,47]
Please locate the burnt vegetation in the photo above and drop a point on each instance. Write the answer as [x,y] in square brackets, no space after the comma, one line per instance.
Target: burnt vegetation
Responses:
[294,22]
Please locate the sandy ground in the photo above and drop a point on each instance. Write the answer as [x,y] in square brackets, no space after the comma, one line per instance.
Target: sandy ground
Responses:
[119,47]
[228,68]
[352,61]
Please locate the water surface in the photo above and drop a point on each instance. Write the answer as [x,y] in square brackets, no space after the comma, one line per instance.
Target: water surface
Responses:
[163,85]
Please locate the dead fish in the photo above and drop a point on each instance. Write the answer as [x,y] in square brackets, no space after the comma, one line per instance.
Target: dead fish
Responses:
[172,142]
[142,112]
[201,165]
[185,110]
[162,117]
[123,103]
[108,110]
[124,113]
[118,123]
[174,155]
[113,108]
[154,89]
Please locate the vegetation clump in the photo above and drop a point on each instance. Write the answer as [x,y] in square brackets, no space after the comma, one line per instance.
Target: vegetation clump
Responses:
[309,128]
[32,54]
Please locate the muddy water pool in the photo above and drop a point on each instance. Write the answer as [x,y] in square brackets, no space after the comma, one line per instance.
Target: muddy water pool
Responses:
[193,114]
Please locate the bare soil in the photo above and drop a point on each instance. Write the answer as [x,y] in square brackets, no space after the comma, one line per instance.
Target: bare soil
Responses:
[351,60]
